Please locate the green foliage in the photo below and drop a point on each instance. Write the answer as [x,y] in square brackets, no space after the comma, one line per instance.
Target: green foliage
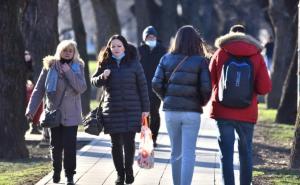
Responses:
[17,173]
[92,67]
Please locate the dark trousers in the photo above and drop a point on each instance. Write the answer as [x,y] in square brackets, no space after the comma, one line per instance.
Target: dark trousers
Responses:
[154,117]
[63,140]
[123,142]
[226,140]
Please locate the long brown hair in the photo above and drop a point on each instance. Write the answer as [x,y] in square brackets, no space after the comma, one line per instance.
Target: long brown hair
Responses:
[188,42]
[105,55]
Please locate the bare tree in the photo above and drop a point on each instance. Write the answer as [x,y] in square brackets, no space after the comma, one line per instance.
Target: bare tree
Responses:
[282,14]
[141,12]
[287,110]
[190,12]
[106,19]
[12,80]
[39,29]
[295,151]
[169,20]
[80,36]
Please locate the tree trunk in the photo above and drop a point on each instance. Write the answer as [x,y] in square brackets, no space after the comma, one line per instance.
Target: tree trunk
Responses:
[12,80]
[80,37]
[106,19]
[169,20]
[287,110]
[240,12]
[207,16]
[39,29]
[142,17]
[190,13]
[295,151]
[282,19]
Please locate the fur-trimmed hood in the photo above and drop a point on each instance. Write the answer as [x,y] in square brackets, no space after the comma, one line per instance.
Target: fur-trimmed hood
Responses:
[49,60]
[239,44]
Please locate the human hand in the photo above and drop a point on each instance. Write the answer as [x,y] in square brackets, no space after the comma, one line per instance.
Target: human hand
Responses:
[65,67]
[145,114]
[106,73]
[29,117]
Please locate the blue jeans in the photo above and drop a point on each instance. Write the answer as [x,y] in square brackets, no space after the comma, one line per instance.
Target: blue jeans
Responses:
[226,144]
[183,128]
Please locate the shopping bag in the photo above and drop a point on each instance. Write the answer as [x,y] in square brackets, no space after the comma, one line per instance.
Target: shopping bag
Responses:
[145,158]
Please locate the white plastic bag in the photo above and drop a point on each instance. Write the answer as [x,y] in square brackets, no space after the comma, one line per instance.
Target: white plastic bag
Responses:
[145,158]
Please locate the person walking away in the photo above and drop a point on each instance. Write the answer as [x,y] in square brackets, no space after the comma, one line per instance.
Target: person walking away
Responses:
[182,82]
[125,101]
[238,66]
[62,82]
[150,52]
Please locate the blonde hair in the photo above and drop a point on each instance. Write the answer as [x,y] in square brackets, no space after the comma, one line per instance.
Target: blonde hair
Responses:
[65,44]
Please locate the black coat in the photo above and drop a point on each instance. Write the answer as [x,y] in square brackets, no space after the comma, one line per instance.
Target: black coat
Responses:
[149,60]
[190,87]
[125,96]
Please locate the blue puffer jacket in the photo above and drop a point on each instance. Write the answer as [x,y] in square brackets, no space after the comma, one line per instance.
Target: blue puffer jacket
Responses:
[190,87]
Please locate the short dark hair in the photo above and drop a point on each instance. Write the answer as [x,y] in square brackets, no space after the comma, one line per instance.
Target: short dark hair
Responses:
[238,28]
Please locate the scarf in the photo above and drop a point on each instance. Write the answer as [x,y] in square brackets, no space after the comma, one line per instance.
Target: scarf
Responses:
[52,77]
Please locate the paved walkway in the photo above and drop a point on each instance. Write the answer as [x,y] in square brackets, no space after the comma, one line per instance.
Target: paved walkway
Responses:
[95,166]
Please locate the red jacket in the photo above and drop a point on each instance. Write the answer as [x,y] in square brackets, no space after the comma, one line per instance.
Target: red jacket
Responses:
[238,44]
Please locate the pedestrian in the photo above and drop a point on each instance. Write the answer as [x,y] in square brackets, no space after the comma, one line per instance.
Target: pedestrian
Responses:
[150,52]
[62,82]
[125,101]
[182,82]
[35,123]
[269,48]
[240,53]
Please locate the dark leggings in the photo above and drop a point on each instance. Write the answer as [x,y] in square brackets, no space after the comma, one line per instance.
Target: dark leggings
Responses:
[63,140]
[123,142]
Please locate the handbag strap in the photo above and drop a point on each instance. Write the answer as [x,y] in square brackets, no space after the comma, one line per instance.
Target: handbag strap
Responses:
[101,100]
[63,94]
[177,67]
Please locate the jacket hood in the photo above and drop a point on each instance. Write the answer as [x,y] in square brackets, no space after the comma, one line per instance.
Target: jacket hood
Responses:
[49,60]
[239,44]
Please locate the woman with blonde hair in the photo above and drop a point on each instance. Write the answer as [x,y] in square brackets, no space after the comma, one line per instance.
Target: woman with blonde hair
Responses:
[62,82]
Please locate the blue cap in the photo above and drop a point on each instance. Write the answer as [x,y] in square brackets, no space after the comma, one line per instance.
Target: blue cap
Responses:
[150,30]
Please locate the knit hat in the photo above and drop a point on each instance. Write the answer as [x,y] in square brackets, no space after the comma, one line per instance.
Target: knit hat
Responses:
[238,28]
[150,30]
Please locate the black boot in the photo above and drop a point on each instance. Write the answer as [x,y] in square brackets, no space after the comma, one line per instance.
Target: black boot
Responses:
[120,179]
[35,129]
[56,177]
[129,176]
[70,180]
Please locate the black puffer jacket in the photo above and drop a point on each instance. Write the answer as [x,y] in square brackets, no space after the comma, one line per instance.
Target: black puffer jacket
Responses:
[125,98]
[190,87]
[149,60]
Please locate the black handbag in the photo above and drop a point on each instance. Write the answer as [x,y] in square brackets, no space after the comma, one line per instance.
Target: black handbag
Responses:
[93,121]
[53,118]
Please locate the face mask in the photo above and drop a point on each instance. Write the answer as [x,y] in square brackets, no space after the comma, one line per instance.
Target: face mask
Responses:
[119,57]
[151,43]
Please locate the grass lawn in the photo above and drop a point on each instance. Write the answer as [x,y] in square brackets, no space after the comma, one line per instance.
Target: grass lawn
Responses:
[23,172]
[274,150]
